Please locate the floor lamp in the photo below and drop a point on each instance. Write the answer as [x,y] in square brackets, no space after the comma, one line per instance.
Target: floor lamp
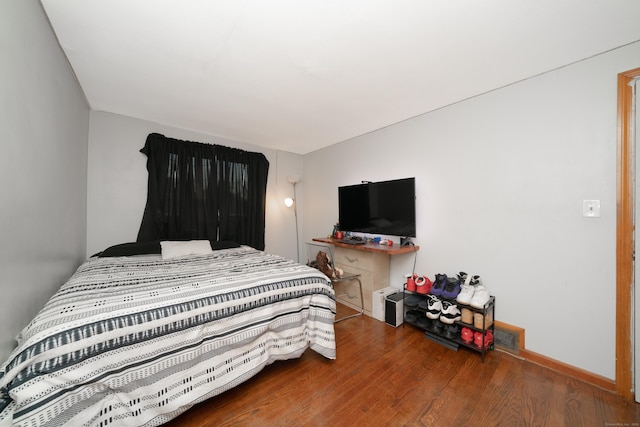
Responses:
[293,202]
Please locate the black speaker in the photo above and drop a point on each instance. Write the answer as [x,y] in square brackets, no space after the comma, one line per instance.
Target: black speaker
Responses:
[394,309]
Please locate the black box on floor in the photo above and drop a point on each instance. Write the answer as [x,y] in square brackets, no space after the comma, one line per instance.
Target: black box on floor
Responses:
[394,309]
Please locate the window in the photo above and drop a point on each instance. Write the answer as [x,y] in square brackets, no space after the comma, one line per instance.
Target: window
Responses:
[203,191]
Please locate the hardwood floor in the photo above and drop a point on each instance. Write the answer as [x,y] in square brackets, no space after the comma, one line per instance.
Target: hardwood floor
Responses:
[395,377]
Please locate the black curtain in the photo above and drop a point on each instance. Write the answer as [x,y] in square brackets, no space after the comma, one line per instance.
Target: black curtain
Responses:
[203,191]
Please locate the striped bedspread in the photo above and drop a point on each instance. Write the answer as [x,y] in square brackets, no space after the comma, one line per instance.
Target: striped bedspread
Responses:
[138,340]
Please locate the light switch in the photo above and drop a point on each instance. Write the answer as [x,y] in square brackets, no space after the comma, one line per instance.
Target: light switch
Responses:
[591,208]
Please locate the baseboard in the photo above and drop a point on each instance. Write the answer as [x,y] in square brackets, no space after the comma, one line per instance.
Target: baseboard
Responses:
[570,370]
[512,341]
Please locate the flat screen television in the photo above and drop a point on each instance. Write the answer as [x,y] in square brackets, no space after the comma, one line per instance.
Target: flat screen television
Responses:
[385,207]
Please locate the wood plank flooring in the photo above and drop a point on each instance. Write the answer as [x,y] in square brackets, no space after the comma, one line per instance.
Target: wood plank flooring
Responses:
[395,377]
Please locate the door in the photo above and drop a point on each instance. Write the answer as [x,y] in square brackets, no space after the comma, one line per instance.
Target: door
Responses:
[625,237]
[636,250]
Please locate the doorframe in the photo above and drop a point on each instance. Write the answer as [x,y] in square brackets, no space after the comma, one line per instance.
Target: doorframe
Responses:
[624,237]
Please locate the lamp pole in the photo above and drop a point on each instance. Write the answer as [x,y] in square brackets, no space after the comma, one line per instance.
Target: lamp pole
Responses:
[295,214]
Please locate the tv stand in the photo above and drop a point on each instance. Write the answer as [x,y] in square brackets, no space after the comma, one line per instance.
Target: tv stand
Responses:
[370,260]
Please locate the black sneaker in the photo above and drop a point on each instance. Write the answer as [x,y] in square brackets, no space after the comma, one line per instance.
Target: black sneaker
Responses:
[411,316]
[451,332]
[412,300]
[423,322]
[437,327]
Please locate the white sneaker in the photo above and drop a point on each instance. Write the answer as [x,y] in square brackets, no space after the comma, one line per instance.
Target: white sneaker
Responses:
[450,312]
[434,307]
[480,297]
[475,281]
[466,293]
[468,289]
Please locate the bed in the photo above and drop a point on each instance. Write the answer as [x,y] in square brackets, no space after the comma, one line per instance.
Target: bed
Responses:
[139,339]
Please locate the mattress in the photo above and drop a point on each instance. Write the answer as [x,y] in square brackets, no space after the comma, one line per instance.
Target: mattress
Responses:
[138,340]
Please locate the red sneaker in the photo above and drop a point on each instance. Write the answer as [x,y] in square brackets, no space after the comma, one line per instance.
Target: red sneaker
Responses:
[466,334]
[480,343]
[423,285]
[411,283]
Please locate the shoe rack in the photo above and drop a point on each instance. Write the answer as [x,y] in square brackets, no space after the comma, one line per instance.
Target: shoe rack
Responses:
[479,323]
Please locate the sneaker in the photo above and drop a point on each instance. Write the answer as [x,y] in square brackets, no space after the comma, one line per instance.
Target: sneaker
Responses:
[450,312]
[412,300]
[423,322]
[466,291]
[411,282]
[437,327]
[480,297]
[429,323]
[466,316]
[411,316]
[451,331]
[475,281]
[423,285]
[434,306]
[438,285]
[465,295]
[483,341]
[466,335]
[451,288]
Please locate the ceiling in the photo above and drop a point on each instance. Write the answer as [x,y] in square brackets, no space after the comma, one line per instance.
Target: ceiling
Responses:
[300,75]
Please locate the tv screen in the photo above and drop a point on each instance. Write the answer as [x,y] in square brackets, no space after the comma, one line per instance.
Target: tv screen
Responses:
[385,207]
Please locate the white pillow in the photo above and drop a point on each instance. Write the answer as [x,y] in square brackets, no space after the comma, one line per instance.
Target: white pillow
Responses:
[172,249]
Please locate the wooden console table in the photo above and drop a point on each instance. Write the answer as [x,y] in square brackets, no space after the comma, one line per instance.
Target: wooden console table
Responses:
[371,261]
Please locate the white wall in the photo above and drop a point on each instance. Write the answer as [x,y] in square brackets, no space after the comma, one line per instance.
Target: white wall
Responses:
[44,121]
[117,183]
[500,183]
